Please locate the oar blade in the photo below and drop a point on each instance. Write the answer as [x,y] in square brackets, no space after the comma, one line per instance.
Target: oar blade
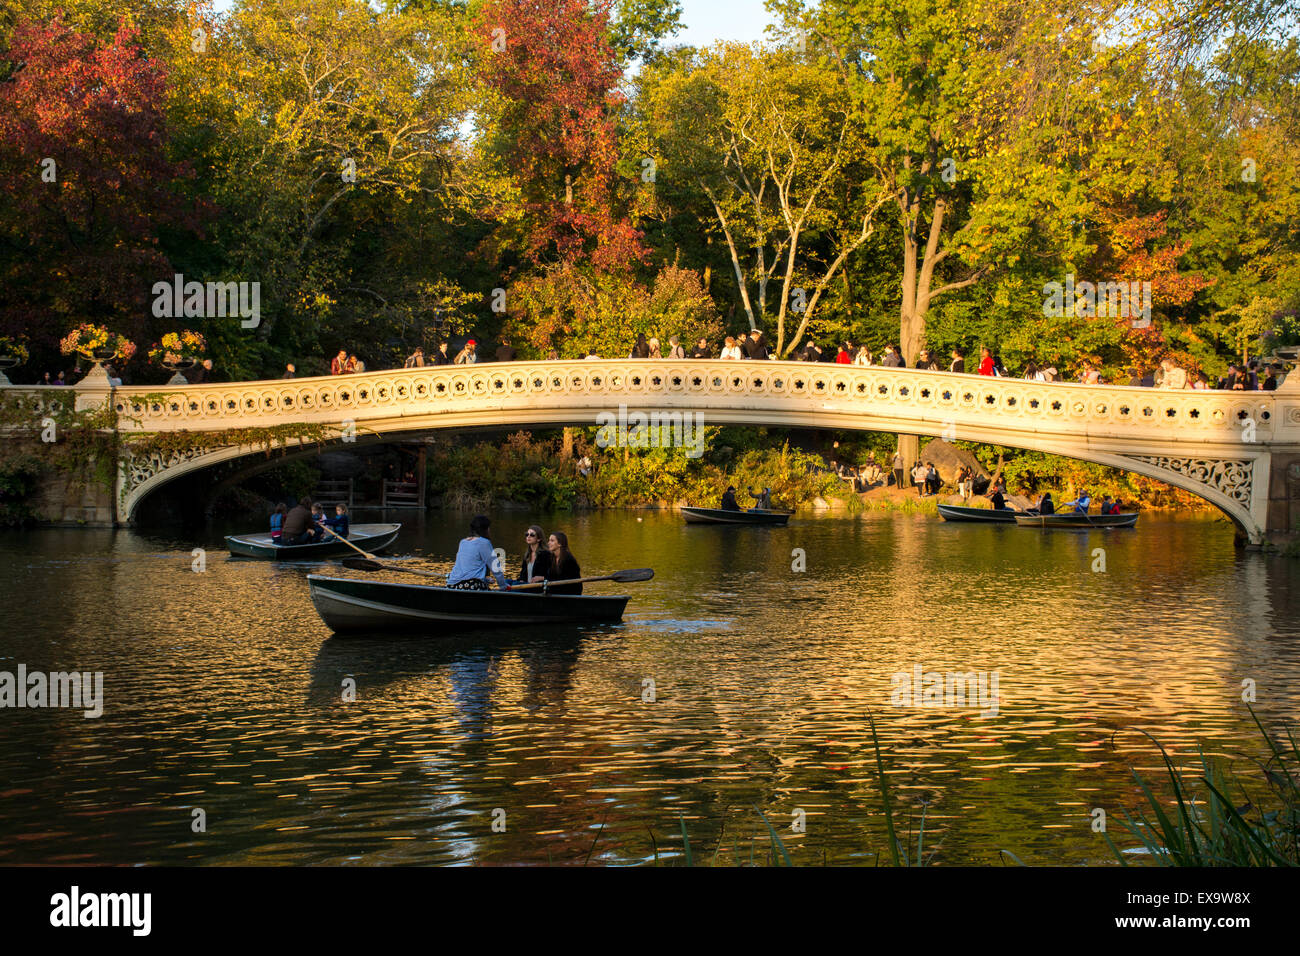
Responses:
[635,574]
[362,564]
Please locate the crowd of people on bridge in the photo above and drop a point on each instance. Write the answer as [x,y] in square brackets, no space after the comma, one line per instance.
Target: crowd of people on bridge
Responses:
[1251,375]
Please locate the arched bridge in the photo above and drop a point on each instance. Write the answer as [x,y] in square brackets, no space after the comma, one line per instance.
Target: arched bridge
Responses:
[1238,450]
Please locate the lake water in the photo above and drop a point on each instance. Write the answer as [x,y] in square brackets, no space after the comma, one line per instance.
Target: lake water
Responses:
[224,693]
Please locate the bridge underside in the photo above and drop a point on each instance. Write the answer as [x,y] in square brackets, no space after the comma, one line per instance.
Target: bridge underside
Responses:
[1233,476]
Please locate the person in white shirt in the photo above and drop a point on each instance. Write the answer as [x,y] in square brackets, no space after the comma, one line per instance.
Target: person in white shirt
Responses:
[863,356]
[730,350]
[1174,376]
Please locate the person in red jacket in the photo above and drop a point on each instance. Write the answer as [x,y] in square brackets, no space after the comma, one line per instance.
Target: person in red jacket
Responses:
[843,357]
[986,362]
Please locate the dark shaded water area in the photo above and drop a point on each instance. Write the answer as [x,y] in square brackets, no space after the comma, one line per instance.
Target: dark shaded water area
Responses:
[224,693]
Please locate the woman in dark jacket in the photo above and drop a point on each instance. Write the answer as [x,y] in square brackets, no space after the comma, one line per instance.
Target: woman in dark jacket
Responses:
[564,565]
[536,555]
[642,348]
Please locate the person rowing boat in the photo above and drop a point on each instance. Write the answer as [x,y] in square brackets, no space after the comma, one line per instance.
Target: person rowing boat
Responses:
[298,527]
[1081,504]
[729,499]
[475,560]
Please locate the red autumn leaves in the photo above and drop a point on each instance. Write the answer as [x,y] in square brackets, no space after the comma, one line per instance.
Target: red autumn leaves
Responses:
[551,63]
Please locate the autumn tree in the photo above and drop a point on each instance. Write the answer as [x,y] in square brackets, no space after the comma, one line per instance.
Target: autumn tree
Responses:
[554,78]
[86,186]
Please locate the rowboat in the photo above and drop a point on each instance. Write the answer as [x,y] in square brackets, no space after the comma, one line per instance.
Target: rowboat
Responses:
[367,537]
[721,516]
[983,515]
[1071,519]
[355,605]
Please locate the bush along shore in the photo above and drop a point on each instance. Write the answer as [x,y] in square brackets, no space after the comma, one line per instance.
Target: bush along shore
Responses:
[556,471]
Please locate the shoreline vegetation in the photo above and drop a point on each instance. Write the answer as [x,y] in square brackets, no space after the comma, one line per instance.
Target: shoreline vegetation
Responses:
[527,470]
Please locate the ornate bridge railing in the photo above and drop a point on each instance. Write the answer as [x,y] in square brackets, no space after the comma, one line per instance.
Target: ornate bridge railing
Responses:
[912,394]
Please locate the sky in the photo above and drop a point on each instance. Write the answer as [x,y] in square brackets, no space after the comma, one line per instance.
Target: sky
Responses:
[710,20]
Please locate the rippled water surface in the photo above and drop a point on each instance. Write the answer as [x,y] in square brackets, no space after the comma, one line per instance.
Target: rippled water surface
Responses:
[225,693]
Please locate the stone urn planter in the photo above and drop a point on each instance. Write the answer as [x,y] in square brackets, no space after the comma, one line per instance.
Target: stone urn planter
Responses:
[7,362]
[176,366]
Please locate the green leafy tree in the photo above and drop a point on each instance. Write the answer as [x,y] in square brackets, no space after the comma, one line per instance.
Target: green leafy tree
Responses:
[575,310]
[770,141]
[330,137]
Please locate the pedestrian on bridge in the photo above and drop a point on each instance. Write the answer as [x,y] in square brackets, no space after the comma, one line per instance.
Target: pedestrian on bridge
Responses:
[415,359]
[469,354]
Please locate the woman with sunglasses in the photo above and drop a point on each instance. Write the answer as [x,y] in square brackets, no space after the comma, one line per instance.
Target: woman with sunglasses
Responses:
[537,558]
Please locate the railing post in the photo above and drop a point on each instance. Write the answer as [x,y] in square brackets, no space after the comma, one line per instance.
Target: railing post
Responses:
[95,390]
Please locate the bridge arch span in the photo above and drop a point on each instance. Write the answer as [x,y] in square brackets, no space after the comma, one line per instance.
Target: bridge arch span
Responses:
[1238,450]
[1218,445]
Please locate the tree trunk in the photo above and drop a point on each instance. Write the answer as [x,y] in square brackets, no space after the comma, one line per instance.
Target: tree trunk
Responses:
[566,444]
[909,446]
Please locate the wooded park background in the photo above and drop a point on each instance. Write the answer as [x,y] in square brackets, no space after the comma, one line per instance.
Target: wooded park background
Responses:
[559,172]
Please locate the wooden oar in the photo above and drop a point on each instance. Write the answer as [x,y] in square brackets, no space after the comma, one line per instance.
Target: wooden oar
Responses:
[356,564]
[637,574]
[332,534]
[623,577]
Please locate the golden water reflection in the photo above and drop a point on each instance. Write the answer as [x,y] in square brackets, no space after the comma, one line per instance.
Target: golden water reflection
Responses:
[225,693]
